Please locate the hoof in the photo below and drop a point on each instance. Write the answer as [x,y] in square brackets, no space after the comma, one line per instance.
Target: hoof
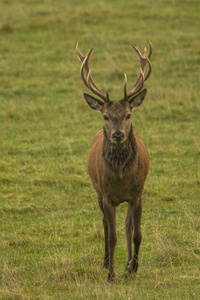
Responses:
[132,266]
[111,277]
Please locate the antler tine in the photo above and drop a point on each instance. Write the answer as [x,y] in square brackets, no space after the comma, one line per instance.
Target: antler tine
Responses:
[142,56]
[149,71]
[95,89]
[148,56]
[85,68]
[137,86]
[80,55]
[125,86]
[150,48]
[86,73]
[144,59]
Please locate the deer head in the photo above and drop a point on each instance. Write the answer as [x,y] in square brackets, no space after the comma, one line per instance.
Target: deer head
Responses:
[116,114]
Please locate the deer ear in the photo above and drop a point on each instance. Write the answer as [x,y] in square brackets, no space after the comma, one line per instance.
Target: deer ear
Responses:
[138,99]
[93,102]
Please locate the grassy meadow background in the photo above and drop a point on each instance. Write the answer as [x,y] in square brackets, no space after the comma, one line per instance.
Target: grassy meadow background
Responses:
[52,243]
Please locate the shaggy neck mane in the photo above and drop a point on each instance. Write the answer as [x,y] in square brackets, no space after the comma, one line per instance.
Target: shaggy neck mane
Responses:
[119,156]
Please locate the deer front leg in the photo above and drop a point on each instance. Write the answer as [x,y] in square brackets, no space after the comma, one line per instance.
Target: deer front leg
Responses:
[137,236]
[129,234]
[106,257]
[110,217]
[105,226]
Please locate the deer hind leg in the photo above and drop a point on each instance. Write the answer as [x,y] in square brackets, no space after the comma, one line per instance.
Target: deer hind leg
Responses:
[110,217]
[105,226]
[137,236]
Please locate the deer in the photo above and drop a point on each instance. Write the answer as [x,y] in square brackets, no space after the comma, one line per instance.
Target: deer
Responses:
[118,161]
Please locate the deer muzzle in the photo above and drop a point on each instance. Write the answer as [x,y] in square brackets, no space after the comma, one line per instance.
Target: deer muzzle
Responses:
[118,137]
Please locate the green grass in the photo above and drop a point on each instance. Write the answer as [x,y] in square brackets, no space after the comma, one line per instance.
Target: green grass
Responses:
[51,229]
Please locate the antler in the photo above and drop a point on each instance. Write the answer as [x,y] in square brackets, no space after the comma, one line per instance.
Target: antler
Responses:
[144,59]
[86,74]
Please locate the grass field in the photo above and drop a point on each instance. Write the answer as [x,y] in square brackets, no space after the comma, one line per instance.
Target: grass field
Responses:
[52,240]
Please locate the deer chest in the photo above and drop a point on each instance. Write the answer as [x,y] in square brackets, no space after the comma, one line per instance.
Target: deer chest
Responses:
[120,189]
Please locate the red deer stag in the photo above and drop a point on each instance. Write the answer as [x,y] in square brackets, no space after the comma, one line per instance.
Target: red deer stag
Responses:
[118,160]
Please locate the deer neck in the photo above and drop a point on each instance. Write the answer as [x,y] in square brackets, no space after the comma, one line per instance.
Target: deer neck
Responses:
[119,156]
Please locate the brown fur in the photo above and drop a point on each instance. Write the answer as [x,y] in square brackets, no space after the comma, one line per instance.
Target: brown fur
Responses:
[118,172]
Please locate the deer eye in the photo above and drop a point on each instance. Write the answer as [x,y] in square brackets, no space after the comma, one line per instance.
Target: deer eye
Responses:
[128,116]
[105,118]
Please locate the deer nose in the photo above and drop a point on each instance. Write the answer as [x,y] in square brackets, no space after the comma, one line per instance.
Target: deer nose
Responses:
[118,136]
